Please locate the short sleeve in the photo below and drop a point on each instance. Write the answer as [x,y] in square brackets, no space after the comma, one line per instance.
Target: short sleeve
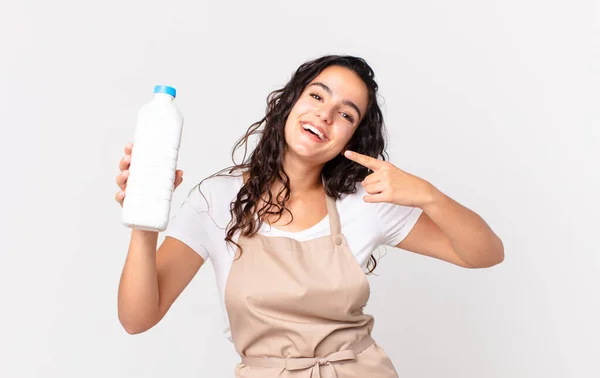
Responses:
[396,221]
[192,222]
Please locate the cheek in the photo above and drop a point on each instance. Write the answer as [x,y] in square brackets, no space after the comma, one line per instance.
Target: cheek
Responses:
[302,106]
[343,134]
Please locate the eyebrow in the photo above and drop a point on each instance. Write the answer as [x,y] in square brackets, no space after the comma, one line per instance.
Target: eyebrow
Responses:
[330,92]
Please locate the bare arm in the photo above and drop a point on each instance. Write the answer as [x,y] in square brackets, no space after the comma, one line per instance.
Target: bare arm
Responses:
[151,280]
[448,231]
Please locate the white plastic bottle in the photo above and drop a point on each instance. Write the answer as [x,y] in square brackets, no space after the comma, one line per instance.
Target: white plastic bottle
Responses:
[149,191]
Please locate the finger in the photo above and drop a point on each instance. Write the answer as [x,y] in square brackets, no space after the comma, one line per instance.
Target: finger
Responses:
[376,188]
[178,177]
[372,198]
[371,179]
[128,148]
[125,162]
[119,196]
[122,179]
[364,160]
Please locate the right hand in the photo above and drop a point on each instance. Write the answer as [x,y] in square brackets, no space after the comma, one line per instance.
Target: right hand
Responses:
[122,177]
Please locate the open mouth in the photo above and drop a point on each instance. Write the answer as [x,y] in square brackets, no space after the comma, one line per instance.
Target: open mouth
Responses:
[313,132]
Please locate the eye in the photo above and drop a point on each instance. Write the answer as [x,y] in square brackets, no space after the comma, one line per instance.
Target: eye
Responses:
[348,117]
[316,96]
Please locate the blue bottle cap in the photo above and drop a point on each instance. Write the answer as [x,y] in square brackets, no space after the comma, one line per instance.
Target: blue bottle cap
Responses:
[165,89]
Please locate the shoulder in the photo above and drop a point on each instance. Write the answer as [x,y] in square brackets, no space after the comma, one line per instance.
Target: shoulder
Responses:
[355,201]
[352,206]
[221,185]
[214,194]
[392,222]
[359,191]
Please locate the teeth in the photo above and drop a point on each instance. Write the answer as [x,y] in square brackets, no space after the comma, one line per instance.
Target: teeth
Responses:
[314,130]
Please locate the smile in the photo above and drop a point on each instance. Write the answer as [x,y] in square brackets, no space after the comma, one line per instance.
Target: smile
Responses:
[313,132]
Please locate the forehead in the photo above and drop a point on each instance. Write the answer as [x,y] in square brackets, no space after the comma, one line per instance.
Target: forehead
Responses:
[345,85]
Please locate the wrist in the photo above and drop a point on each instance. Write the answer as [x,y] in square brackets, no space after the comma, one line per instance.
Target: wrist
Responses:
[435,197]
[144,234]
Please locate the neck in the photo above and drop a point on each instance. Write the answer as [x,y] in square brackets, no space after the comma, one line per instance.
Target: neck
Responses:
[163,97]
[304,178]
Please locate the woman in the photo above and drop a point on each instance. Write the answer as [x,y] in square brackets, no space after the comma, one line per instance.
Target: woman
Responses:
[291,230]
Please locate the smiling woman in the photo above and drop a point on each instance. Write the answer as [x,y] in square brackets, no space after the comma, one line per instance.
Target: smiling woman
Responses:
[326,112]
[291,231]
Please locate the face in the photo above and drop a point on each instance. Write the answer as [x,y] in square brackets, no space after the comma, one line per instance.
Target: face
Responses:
[326,115]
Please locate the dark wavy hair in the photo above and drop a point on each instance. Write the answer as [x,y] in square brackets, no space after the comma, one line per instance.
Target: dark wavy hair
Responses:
[264,165]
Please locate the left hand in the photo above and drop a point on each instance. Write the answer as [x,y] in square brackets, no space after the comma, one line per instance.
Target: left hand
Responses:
[390,184]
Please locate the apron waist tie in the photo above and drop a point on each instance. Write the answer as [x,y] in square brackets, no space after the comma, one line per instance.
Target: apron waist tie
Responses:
[302,363]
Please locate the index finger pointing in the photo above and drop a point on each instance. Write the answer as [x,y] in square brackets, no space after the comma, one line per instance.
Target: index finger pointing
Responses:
[364,160]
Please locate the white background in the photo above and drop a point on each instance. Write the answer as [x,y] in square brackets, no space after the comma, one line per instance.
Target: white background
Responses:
[494,102]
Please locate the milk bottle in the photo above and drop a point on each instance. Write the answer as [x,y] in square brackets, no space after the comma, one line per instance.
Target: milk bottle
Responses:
[149,191]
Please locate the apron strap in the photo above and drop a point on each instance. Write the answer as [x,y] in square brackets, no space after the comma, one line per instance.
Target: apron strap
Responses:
[303,363]
[334,217]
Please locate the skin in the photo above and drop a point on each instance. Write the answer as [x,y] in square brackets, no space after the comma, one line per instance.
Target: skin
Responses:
[153,279]
[338,112]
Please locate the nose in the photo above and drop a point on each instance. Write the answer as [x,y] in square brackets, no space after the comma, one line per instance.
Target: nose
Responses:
[325,113]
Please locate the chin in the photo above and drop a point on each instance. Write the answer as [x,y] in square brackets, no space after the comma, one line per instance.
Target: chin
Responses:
[309,155]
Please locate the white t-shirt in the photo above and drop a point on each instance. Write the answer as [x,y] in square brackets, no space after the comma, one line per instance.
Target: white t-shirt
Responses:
[201,224]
